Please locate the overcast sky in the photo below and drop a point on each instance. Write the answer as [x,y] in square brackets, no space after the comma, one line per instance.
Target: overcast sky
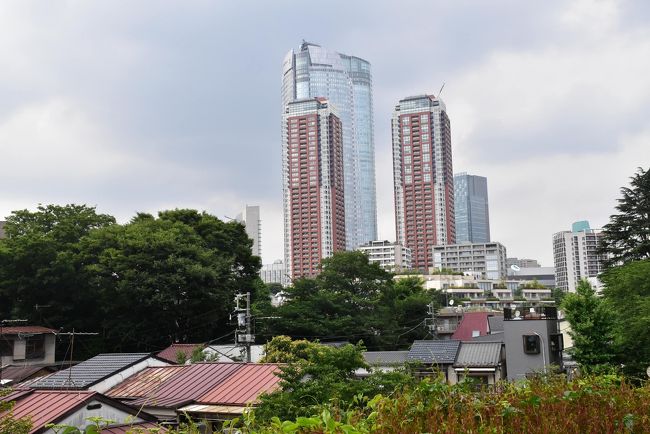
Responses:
[148,105]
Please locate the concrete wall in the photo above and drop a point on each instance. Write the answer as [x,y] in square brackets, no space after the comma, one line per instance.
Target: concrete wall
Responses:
[519,363]
[20,348]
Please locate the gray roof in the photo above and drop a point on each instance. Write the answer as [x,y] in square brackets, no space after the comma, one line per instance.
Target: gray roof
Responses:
[495,323]
[479,354]
[385,357]
[90,372]
[434,352]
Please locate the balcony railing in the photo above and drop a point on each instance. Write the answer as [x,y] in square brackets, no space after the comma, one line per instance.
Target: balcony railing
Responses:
[530,313]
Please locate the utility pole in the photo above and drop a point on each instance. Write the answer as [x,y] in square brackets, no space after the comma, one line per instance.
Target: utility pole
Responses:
[243,335]
[431,322]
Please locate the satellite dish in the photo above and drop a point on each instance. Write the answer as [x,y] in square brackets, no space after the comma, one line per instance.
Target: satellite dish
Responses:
[648,371]
[515,267]
[517,314]
[451,303]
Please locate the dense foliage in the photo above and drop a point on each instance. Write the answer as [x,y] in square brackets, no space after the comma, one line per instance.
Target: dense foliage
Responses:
[8,423]
[351,300]
[591,327]
[141,285]
[313,374]
[603,404]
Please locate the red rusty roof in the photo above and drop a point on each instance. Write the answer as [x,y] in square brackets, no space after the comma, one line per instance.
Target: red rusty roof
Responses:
[212,383]
[170,353]
[472,321]
[14,330]
[45,406]
[145,382]
[244,386]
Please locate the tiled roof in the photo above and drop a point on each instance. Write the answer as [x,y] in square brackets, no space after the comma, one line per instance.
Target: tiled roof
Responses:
[244,386]
[26,329]
[212,383]
[144,383]
[471,322]
[170,353]
[90,372]
[385,357]
[494,337]
[434,352]
[479,355]
[496,323]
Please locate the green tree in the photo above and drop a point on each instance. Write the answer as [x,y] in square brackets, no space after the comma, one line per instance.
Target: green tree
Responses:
[37,266]
[8,423]
[167,279]
[627,235]
[353,299]
[315,374]
[627,291]
[592,327]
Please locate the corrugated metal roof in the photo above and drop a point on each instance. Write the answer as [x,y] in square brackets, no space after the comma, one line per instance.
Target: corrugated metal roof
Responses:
[244,386]
[434,352]
[479,355]
[131,428]
[144,383]
[47,406]
[385,357]
[472,322]
[26,329]
[214,409]
[170,353]
[189,384]
[90,372]
[20,373]
[494,337]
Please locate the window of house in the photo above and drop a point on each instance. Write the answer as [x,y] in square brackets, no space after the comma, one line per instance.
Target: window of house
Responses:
[556,342]
[35,347]
[531,344]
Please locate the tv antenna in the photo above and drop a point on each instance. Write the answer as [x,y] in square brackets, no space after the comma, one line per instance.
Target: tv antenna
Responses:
[441,87]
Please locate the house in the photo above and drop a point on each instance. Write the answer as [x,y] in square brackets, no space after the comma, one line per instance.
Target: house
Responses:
[27,345]
[99,373]
[68,407]
[532,339]
[383,361]
[481,361]
[205,391]
[433,355]
[215,353]
[472,324]
[11,375]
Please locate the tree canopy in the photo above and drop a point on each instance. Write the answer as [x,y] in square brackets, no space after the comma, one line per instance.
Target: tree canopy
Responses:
[141,285]
[627,235]
[351,300]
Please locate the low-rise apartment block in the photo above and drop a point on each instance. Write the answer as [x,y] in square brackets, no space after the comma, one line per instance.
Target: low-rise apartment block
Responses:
[389,255]
[483,260]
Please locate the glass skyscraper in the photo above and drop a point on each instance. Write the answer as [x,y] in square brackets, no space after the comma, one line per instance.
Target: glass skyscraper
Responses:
[471,209]
[346,81]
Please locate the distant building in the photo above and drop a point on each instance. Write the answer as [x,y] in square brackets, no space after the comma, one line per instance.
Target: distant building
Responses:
[250,217]
[576,257]
[346,81]
[390,256]
[314,203]
[544,275]
[423,177]
[27,345]
[275,273]
[471,209]
[485,260]
[2,229]
[521,263]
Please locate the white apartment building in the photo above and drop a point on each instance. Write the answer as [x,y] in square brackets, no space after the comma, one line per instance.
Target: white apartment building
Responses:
[576,257]
[483,260]
[275,273]
[250,218]
[390,256]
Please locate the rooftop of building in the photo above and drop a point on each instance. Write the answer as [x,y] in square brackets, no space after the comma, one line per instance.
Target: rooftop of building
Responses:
[434,352]
[25,330]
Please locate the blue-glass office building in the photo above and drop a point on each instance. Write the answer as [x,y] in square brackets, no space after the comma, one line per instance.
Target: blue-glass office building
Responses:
[471,209]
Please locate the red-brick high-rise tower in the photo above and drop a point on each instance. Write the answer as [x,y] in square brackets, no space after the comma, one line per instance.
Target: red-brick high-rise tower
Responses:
[314,202]
[423,176]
